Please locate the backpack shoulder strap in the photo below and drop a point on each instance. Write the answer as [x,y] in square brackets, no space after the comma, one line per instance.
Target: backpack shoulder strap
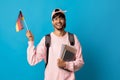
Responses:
[47,44]
[71,38]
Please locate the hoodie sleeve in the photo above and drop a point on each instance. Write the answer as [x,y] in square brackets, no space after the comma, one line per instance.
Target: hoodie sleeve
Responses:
[35,55]
[78,63]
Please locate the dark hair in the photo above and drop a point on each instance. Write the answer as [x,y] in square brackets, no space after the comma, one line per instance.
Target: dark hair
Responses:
[59,15]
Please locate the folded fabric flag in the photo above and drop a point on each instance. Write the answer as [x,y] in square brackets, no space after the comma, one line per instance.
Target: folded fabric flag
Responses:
[20,22]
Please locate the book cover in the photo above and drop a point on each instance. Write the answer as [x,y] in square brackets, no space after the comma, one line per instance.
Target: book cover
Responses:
[68,53]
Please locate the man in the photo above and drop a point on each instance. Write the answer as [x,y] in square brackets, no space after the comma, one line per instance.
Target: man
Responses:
[56,69]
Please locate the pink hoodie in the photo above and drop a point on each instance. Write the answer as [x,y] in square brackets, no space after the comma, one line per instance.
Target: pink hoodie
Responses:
[52,71]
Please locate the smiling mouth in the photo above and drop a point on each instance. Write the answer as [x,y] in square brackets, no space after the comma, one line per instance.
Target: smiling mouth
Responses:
[58,24]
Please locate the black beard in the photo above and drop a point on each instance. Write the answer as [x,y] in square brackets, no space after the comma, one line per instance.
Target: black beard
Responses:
[60,28]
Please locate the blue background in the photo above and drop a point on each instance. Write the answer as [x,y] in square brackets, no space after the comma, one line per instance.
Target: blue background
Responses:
[95,22]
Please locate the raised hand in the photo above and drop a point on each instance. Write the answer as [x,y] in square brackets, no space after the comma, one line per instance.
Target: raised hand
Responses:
[29,35]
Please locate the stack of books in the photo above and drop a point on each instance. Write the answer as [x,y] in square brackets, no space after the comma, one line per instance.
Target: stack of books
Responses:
[68,53]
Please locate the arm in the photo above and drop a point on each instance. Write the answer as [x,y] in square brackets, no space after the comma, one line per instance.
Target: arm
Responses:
[78,63]
[35,55]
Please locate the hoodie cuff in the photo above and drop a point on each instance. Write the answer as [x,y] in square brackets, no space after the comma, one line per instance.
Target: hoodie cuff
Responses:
[30,43]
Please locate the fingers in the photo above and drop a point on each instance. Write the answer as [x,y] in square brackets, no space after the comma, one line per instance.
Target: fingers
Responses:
[61,63]
[29,35]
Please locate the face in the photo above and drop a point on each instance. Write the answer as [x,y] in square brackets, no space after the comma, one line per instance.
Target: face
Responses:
[58,23]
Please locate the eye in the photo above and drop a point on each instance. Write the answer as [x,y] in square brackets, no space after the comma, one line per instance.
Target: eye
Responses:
[55,18]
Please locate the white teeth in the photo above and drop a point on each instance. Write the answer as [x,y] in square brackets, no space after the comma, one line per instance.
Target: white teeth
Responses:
[58,24]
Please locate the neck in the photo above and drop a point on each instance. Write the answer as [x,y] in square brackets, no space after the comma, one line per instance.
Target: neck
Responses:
[59,33]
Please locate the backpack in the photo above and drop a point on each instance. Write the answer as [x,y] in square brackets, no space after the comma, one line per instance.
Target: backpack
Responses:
[48,42]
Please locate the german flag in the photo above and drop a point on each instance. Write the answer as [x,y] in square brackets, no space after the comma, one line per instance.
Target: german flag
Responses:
[20,22]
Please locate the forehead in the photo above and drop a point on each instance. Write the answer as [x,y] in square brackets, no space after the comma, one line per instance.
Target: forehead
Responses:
[58,15]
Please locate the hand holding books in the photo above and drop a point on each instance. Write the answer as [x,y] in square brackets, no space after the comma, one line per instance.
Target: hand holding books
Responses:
[61,63]
[67,54]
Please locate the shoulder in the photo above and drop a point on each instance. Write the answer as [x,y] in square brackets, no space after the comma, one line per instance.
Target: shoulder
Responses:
[75,36]
[48,34]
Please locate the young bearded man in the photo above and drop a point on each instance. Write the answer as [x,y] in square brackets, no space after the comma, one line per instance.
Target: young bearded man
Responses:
[56,69]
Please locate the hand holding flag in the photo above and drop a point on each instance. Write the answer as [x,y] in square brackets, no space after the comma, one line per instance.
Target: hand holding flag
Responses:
[29,35]
[20,25]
